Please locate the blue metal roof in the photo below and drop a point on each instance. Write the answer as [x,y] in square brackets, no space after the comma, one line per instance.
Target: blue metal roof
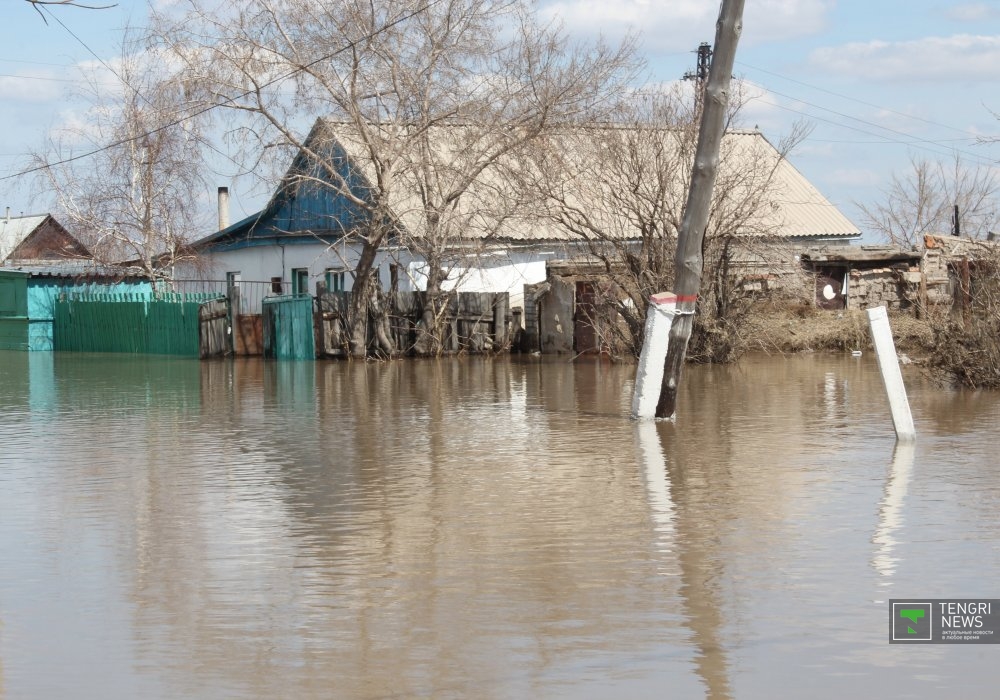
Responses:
[305,207]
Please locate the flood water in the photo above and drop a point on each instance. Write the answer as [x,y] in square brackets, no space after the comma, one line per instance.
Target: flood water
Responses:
[477,528]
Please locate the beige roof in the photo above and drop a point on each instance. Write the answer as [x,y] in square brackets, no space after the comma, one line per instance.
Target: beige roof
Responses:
[792,206]
[15,229]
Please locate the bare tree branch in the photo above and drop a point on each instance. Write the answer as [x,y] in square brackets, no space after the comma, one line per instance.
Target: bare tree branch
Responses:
[39,4]
[620,190]
[430,109]
[922,200]
[136,202]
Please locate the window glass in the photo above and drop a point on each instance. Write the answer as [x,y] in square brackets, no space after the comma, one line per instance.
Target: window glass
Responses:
[300,281]
[335,279]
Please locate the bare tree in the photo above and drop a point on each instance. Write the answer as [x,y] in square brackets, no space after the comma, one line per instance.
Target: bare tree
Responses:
[126,174]
[923,199]
[621,190]
[427,99]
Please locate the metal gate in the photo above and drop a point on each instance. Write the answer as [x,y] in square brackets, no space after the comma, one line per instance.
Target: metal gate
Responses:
[288,327]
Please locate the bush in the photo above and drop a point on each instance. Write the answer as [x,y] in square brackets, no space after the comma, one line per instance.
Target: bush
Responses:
[969,356]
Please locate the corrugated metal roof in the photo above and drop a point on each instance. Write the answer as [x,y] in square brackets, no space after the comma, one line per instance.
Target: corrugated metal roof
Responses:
[15,229]
[800,208]
[794,208]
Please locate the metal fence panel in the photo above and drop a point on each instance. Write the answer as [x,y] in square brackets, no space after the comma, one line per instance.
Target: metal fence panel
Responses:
[288,327]
[166,324]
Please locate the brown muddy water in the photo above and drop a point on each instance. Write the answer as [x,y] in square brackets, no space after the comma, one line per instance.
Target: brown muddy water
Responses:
[479,528]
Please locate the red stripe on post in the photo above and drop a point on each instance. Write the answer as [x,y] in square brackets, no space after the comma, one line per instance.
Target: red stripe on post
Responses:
[663,298]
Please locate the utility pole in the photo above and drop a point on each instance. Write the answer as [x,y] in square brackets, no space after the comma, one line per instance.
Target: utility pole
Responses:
[700,74]
[956,223]
[690,262]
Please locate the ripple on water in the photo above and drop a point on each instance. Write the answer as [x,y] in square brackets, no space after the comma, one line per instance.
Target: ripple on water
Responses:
[477,527]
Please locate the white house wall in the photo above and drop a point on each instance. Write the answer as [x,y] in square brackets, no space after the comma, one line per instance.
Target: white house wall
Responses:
[501,270]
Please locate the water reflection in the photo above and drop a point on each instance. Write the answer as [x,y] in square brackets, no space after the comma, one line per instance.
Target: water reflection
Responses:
[699,563]
[468,527]
[890,513]
[657,481]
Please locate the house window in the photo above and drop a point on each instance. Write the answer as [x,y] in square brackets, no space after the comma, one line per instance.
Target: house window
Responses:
[275,285]
[300,280]
[233,289]
[334,279]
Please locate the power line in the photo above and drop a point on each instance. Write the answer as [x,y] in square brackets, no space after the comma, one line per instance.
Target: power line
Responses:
[231,100]
[124,82]
[863,102]
[36,63]
[982,160]
[40,77]
[909,137]
[940,142]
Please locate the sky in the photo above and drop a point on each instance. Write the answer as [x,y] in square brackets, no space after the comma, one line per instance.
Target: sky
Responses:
[881,82]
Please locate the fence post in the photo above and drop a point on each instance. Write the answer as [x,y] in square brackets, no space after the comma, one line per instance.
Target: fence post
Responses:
[500,301]
[649,373]
[318,325]
[892,378]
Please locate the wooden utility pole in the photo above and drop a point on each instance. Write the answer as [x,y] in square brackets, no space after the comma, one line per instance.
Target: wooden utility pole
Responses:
[690,262]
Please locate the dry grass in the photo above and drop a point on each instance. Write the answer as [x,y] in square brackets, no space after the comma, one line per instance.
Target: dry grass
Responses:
[804,328]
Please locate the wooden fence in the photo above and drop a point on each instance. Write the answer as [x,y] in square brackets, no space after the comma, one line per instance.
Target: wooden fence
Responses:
[474,322]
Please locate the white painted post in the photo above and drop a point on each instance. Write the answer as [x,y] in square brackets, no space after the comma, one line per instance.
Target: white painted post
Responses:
[649,373]
[888,364]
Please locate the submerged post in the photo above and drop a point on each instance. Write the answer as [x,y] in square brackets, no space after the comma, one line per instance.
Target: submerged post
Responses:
[888,364]
[649,373]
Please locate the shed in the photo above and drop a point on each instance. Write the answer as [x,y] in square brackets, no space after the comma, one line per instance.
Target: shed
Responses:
[955,267]
[563,314]
[859,277]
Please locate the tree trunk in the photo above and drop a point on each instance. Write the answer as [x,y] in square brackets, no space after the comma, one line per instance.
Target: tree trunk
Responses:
[690,259]
[430,333]
[357,316]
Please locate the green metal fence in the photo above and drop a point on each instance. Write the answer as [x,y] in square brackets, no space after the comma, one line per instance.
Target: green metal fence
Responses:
[288,327]
[165,324]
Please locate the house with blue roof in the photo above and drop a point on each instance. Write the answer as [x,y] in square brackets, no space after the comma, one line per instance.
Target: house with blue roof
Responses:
[304,236]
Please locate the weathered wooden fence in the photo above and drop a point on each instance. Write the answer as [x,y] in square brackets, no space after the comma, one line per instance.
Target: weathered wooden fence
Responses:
[192,325]
[474,322]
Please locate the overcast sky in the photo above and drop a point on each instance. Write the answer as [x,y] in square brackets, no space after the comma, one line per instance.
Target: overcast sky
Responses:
[880,80]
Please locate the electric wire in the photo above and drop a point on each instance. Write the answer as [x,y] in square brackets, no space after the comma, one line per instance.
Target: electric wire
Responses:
[871,124]
[231,100]
[883,139]
[842,96]
[135,91]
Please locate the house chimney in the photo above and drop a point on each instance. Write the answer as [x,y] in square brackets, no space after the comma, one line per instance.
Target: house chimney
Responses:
[223,208]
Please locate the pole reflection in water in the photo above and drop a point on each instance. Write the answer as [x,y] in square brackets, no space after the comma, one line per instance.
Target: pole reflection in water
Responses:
[657,481]
[699,566]
[890,512]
